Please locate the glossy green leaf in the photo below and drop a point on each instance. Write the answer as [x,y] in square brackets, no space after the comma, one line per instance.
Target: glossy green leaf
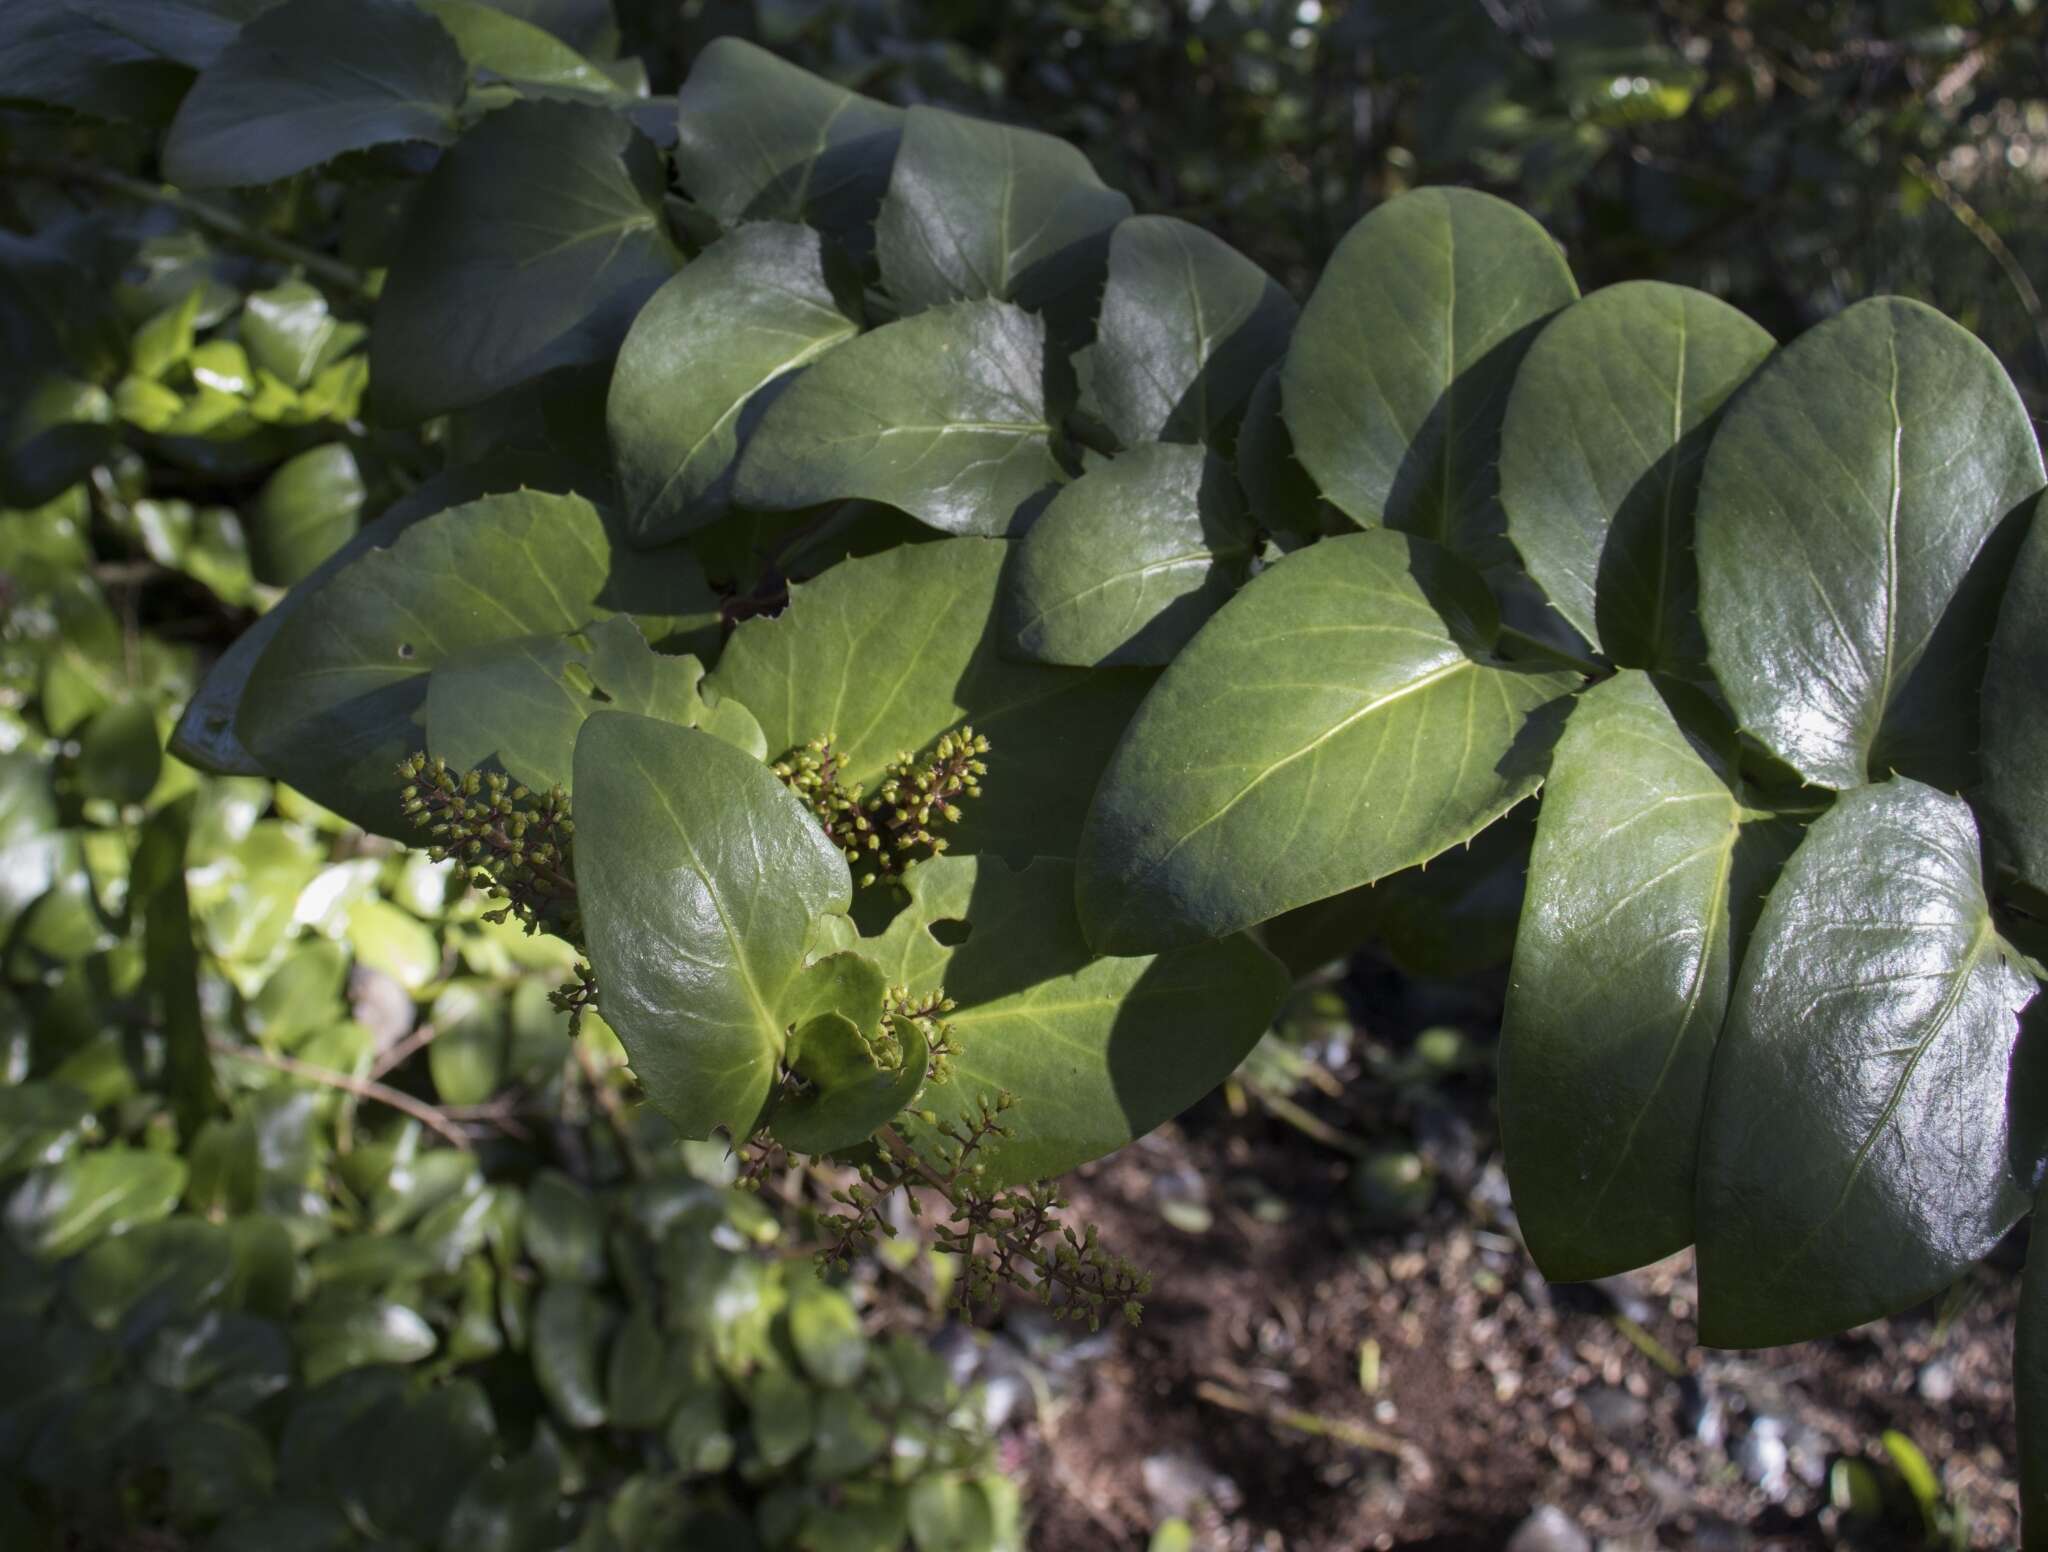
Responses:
[517,706]
[978,211]
[887,652]
[467,1055]
[305,512]
[514,49]
[1854,1158]
[570,1323]
[1339,720]
[1094,1051]
[943,415]
[760,139]
[1600,460]
[1627,950]
[703,355]
[60,1209]
[779,1405]
[1128,561]
[338,697]
[532,246]
[564,1229]
[345,1330]
[825,1330]
[698,876]
[1845,500]
[1400,369]
[309,80]
[2014,798]
[1188,325]
[289,332]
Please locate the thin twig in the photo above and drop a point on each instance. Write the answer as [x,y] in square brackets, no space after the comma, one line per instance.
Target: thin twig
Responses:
[362,1088]
[1981,229]
[333,271]
[395,1054]
[1302,1120]
[1357,1435]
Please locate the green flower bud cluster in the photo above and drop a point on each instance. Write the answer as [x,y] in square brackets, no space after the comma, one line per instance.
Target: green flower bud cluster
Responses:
[516,842]
[883,832]
[928,1014]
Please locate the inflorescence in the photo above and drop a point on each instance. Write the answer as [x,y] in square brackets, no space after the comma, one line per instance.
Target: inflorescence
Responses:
[883,832]
[516,843]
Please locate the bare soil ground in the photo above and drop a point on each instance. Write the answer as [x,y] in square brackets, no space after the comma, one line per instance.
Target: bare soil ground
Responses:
[1242,1403]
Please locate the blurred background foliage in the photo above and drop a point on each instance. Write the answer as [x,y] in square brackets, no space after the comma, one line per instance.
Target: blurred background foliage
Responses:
[320,1228]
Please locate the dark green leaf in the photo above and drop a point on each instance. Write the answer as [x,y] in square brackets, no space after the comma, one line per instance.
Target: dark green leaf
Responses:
[2014,800]
[309,80]
[1845,499]
[1600,460]
[157,884]
[1339,720]
[1283,498]
[888,652]
[192,32]
[699,875]
[943,415]
[989,211]
[1128,561]
[1188,325]
[703,351]
[531,247]
[564,1229]
[1400,369]
[304,513]
[1094,1051]
[119,753]
[344,1330]
[53,52]
[1627,950]
[760,139]
[1854,1158]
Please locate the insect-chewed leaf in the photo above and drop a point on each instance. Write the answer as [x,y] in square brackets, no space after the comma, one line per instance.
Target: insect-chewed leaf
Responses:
[889,651]
[706,348]
[532,246]
[1337,721]
[518,705]
[1187,326]
[205,735]
[1629,940]
[762,140]
[2014,799]
[1600,460]
[1129,560]
[1399,372]
[1095,1051]
[1845,499]
[942,415]
[310,79]
[988,211]
[1855,1156]
[699,877]
[338,697]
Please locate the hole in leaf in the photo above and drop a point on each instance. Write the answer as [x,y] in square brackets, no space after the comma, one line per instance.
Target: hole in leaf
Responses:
[951,931]
[405,649]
